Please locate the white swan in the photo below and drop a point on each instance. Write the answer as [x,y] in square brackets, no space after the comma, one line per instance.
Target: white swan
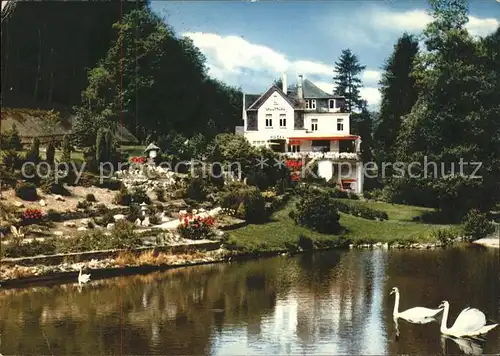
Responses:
[419,315]
[470,322]
[83,278]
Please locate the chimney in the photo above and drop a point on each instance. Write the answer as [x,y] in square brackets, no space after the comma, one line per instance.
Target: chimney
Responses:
[283,82]
[300,93]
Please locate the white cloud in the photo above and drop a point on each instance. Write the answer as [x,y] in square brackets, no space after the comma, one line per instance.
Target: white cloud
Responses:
[371,95]
[417,20]
[482,27]
[310,67]
[327,87]
[414,20]
[371,76]
[254,67]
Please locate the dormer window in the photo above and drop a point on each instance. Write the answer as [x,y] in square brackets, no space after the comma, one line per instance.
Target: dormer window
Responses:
[331,103]
[310,104]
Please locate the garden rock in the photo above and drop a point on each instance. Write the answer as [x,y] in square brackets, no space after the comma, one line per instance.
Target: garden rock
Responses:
[82,228]
[119,217]
[69,224]
[58,233]
[59,198]
[18,204]
[110,226]
[43,203]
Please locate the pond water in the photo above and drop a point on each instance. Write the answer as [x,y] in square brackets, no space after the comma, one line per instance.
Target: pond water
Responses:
[331,303]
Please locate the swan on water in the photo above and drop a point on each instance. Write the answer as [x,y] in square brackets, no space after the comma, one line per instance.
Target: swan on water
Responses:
[470,322]
[419,315]
[83,278]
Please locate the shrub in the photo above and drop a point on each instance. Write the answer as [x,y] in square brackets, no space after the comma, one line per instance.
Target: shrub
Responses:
[445,236]
[11,140]
[10,159]
[90,198]
[317,212]
[353,196]
[155,220]
[66,149]
[33,248]
[160,194]
[9,178]
[337,193]
[84,205]
[197,188]
[52,185]
[87,180]
[106,219]
[305,242]
[195,228]
[122,236]
[50,152]
[111,184]
[123,197]
[246,201]
[53,215]
[34,152]
[476,225]
[101,208]
[26,191]
[139,196]
[255,207]
[134,214]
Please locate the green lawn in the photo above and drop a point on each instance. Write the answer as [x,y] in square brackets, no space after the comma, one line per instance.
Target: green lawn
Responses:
[395,211]
[133,150]
[77,156]
[282,233]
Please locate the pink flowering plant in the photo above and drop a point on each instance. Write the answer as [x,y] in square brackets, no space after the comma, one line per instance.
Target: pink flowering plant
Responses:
[195,227]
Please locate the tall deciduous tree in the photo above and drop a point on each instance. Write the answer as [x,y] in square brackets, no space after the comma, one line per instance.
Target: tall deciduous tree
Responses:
[455,118]
[154,82]
[347,80]
[399,94]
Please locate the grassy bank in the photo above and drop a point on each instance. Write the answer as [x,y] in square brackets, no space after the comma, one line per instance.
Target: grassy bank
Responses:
[282,233]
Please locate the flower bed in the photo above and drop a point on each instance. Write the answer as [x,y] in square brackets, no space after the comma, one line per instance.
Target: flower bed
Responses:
[137,160]
[31,215]
[195,228]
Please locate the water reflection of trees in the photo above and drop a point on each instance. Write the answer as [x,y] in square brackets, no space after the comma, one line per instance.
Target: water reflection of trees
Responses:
[334,302]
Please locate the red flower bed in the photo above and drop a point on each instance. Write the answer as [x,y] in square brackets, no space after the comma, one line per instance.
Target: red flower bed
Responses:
[32,214]
[294,164]
[195,228]
[138,160]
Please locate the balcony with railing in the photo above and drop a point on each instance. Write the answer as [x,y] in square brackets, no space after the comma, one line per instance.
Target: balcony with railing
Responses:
[334,156]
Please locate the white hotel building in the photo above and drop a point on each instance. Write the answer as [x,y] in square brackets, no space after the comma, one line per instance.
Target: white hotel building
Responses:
[306,122]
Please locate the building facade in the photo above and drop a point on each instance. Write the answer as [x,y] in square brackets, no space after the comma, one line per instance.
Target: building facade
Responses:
[306,122]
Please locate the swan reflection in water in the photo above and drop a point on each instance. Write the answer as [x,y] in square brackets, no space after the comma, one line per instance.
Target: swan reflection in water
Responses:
[467,345]
[413,321]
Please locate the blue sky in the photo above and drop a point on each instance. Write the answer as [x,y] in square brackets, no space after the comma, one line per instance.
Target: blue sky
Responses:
[250,43]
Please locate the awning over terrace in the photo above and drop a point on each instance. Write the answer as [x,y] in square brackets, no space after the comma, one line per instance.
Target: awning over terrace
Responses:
[298,140]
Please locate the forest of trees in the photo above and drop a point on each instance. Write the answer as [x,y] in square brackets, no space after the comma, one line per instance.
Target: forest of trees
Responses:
[84,55]
[442,105]
[120,63]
